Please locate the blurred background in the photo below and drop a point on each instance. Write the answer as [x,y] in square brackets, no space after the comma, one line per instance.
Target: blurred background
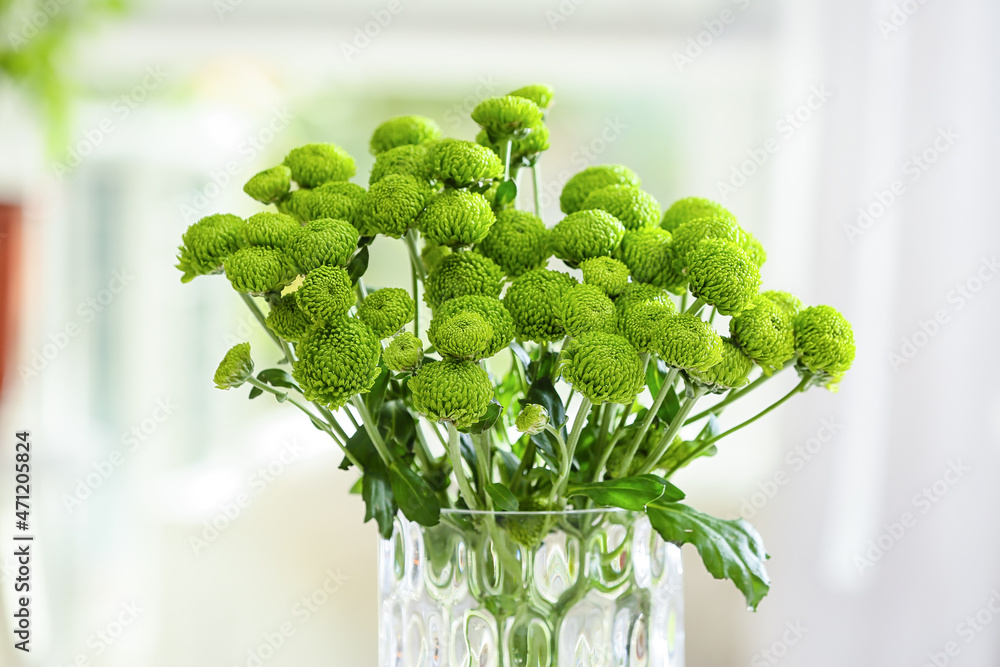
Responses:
[858,140]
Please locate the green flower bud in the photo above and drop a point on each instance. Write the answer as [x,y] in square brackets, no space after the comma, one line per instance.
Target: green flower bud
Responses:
[323,242]
[402,161]
[404,353]
[724,276]
[287,320]
[456,218]
[403,131]
[578,187]
[462,273]
[326,293]
[207,244]
[489,308]
[729,373]
[635,208]
[824,341]
[765,334]
[636,293]
[391,206]
[464,335]
[607,273]
[463,163]
[313,165]
[688,235]
[503,117]
[236,367]
[532,419]
[648,253]
[455,391]
[270,230]
[689,343]
[586,308]
[337,200]
[788,303]
[641,322]
[386,310]
[517,242]
[539,93]
[431,255]
[603,367]
[586,234]
[269,185]
[337,360]
[533,299]
[693,208]
[256,270]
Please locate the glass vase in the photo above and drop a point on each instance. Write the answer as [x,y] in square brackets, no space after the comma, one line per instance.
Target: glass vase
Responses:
[530,589]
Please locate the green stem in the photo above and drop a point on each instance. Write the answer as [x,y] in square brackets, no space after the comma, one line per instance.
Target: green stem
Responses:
[684,302]
[801,386]
[455,454]
[527,460]
[411,246]
[372,427]
[574,438]
[711,317]
[483,458]
[516,363]
[416,299]
[282,345]
[731,397]
[565,465]
[506,159]
[668,383]
[695,307]
[536,180]
[668,437]
[605,455]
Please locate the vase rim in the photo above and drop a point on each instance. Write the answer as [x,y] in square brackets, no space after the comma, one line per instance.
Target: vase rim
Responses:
[571,512]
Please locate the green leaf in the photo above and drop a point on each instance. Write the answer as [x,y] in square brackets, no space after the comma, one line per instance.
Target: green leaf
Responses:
[375,396]
[678,451]
[361,447]
[506,193]
[542,368]
[376,491]
[255,392]
[522,355]
[730,549]
[487,421]
[276,377]
[631,493]
[653,379]
[358,265]
[503,499]
[396,422]
[415,497]
[356,487]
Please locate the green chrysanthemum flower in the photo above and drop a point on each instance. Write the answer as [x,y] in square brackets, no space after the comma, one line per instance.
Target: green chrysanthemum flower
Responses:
[689,343]
[489,308]
[517,242]
[313,165]
[336,361]
[337,200]
[532,419]
[765,334]
[752,247]
[269,185]
[723,276]
[323,242]
[235,368]
[431,255]
[586,234]
[287,320]
[586,308]
[539,93]
[693,208]
[256,270]
[690,234]
[386,310]
[391,206]
[460,274]
[270,230]
[403,131]
[603,367]
[533,299]
[326,293]
[648,253]
[636,293]
[404,353]
[579,187]
[641,322]
[207,244]
[464,335]
[824,341]
[402,161]
[607,273]
[455,391]
[523,150]
[463,163]
[788,303]
[456,218]
[503,117]
[729,373]
[635,208]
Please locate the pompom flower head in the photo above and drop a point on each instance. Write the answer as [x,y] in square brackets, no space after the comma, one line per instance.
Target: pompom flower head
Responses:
[391,206]
[636,293]
[518,242]
[337,360]
[689,235]
[403,161]
[539,93]
[641,322]
[462,335]
[586,308]
[533,300]
[692,208]
[269,185]
[603,367]
[507,116]
[489,308]
[648,253]
[824,341]
[235,368]
[586,234]
[326,293]
[207,244]
[431,255]
[313,165]
[635,208]
[404,353]
[454,391]
[723,276]
[337,199]
[462,163]
[765,334]
[323,242]
[403,131]
[579,187]
[460,274]
[532,419]
[729,373]
[387,310]
[689,343]
[256,270]
[270,230]
[607,273]
[787,302]
[287,320]
[456,218]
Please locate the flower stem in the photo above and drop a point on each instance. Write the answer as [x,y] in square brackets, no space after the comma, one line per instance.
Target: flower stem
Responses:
[282,345]
[536,180]
[416,300]
[483,458]
[668,437]
[574,438]
[410,238]
[455,454]
[731,397]
[797,389]
[695,307]
[506,159]
[668,383]
[372,427]
[564,462]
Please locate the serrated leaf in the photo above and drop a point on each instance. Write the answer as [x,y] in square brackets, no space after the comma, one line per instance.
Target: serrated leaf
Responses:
[414,496]
[630,493]
[502,498]
[488,420]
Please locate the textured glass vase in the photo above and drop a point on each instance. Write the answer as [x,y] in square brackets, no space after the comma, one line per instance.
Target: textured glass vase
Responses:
[578,588]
